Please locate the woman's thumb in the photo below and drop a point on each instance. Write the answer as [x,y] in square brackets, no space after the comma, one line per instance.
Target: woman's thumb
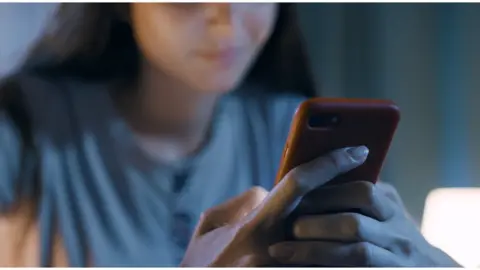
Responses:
[231,211]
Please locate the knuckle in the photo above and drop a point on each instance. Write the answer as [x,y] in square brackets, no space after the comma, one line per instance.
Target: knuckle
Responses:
[369,190]
[363,253]
[405,246]
[206,223]
[294,173]
[257,193]
[367,185]
[371,199]
[208,215]
[297,178]
[300,227]
[354,226]
[388,188]
[336,160]
[305,254]
[342,160]
[298,230]
[251,199]
[204,217]
[252,261]
[390,191]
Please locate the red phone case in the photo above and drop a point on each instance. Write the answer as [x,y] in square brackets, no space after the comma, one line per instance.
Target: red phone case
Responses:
[366,122]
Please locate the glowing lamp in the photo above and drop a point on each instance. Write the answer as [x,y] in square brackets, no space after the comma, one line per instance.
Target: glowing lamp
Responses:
[451,222]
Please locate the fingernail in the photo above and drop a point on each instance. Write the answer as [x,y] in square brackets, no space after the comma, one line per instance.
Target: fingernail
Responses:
[358,154]
[282,253]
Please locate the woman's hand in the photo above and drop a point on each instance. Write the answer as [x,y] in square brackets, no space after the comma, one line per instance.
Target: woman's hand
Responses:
[239,232]
[357,224]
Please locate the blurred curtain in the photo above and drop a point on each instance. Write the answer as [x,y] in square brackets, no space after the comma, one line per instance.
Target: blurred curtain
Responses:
[20,24]
[425,57]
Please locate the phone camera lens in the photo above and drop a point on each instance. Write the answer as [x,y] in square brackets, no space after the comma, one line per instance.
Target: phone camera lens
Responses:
[324,121]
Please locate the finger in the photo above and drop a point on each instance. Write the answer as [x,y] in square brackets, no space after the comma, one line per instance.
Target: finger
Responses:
[255,261]
[334,254]
[390,192]
[231,211]
[349,228]
[243,204]
[359,196]
[304,179]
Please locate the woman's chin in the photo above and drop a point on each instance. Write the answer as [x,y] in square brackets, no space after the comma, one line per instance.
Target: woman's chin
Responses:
[218,85]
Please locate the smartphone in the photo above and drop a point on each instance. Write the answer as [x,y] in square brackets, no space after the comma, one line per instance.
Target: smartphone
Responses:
[321,125]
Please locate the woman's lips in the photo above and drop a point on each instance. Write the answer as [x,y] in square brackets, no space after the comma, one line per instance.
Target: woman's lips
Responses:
[224,57]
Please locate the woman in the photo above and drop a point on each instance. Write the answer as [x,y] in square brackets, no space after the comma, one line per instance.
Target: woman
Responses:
[122,127]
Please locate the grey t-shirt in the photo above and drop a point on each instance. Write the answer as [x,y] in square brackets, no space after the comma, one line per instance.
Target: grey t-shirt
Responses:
[109,200]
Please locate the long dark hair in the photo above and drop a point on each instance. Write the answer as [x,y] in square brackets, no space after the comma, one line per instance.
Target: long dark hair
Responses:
[93,41]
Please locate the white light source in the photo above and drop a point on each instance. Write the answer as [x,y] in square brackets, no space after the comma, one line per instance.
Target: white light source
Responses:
[451,222]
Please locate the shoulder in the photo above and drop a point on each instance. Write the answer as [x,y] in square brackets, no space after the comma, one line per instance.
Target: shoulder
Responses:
[33,110]
[56,106]
[41,98]
[16,139]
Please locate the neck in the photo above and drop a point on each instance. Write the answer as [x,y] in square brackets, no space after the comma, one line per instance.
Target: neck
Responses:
[163,111]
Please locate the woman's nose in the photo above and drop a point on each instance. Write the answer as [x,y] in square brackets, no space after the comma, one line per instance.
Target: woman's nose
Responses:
[221,21]
[219,13]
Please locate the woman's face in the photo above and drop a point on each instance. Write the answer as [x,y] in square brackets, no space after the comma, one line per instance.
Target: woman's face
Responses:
[207,46]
